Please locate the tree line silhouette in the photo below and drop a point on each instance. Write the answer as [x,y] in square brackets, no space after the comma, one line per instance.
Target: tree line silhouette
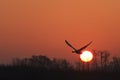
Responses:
[44,68]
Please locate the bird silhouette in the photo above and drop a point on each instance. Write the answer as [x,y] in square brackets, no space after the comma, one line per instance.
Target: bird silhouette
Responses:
[77,51]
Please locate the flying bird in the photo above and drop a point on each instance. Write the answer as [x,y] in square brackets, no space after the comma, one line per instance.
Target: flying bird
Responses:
[77,51]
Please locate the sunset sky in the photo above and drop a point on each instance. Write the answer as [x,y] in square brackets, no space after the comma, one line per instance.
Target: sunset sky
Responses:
[39,27]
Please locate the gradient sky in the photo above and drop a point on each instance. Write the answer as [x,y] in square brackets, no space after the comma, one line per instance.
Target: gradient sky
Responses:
[33,27]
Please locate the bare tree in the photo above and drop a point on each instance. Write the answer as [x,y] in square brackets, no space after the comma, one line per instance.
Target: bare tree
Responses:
[115,64]
[95,59]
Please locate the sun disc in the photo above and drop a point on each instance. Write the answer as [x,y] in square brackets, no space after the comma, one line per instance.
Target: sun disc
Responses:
[86,56]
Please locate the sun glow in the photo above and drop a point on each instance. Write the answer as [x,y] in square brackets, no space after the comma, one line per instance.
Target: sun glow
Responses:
[86,56]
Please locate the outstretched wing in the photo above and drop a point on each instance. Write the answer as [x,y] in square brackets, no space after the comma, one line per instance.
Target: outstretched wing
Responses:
[84,46]
[69,44]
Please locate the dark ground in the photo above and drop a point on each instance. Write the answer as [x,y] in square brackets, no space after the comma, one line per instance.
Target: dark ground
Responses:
[26,73]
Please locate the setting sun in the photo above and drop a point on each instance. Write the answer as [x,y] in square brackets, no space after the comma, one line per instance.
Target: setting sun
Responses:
[86,56]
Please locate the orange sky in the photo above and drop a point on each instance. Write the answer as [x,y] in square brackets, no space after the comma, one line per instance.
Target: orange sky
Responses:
[30,27]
